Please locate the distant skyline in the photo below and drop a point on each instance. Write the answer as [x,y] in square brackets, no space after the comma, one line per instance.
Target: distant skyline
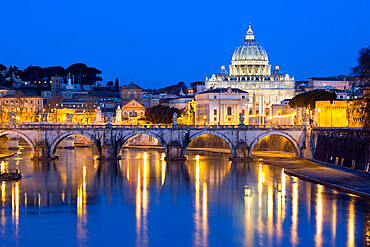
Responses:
[158,43]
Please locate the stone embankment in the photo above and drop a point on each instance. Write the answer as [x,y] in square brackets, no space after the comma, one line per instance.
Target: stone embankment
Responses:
[340,178]
[6,154]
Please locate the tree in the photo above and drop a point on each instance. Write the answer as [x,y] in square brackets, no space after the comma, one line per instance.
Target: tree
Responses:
[160,114]
[12,71]
[34,74]
[2,67]
[361,74]
[174,89]
[110,84]
[308,99]
[362,71]
[116,85]
[85,75]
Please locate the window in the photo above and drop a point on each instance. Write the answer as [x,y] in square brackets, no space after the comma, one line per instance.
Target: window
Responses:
[215,97]
[215,119]
[229,110]
[125,113]
[243,97]
[215,112]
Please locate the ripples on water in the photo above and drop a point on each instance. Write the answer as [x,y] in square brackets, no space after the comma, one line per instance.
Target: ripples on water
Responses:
[143,200]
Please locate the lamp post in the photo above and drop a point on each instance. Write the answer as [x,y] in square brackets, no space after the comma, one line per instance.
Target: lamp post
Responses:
[204,118]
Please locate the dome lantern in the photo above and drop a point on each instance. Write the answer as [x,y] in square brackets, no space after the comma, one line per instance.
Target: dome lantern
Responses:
[249,35]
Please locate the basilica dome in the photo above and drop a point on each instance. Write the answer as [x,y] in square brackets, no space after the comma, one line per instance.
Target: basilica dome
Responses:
[250,49]
[250,61]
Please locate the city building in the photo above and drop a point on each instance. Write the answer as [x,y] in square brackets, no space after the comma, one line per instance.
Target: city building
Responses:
[181,102]
[219,106]
[150,99]
[81,109]
[340,82]
[250,71]
[282,114]
[56,85]
[132,112]
[130,92]
[19,107]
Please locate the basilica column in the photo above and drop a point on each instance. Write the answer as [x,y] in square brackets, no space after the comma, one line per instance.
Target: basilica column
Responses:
[261,107]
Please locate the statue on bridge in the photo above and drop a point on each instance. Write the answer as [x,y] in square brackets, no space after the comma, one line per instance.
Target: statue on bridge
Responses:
[108,118]
[69,117]
[241,118]
[175,118]
[13,117]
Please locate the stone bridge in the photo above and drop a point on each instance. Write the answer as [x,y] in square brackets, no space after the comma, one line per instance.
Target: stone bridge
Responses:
[43,138]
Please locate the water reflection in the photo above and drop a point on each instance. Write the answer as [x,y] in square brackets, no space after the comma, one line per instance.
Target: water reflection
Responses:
[204,201]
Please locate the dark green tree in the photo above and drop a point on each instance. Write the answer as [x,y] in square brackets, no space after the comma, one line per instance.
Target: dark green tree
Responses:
[2,67]
[160,114]
[361,75]
[308,99]
[12,71]
[110,84]
[174,89]
[116,85]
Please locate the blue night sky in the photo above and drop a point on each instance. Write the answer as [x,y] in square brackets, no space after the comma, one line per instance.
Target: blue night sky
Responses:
[158,43]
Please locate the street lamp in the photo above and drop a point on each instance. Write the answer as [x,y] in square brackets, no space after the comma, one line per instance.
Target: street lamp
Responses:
[204,118]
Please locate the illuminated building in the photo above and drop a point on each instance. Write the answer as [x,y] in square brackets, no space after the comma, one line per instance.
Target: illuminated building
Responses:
[220,106]
[336,82]
[250,71]
[81,110]
[283,115]
[20,108]
[331,113]
[133,111]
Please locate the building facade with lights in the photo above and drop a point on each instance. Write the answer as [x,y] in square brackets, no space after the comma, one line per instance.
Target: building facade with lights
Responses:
[219,106]
[21,108]
[250,71]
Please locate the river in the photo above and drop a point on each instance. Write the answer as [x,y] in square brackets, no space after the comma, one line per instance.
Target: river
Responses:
[142,200]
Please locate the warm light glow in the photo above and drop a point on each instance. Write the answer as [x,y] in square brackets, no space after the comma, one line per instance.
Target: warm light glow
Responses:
[81,208]
[319,216]
[351,225]
[334,219]
[3,193]
[2,167]
[270,212]
[163,169]
[294,233]
[15,206]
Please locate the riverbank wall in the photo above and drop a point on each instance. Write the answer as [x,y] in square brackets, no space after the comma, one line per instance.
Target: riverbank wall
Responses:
[343,147]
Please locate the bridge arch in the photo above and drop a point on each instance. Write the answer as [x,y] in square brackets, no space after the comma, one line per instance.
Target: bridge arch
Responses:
[223,137]
[125,138]
[25,137]
[279,133]
[61,137]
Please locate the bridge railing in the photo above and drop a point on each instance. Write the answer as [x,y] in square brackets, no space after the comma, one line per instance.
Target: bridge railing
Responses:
[32,126]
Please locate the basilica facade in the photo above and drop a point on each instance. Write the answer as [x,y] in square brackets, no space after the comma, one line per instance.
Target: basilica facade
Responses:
[250,71]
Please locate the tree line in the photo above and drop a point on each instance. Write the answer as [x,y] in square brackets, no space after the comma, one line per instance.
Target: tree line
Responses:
[37,76]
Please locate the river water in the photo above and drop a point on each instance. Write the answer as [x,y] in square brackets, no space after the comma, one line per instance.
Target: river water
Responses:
[143,200]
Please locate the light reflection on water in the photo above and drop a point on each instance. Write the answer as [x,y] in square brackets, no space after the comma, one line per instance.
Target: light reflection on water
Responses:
[145,201]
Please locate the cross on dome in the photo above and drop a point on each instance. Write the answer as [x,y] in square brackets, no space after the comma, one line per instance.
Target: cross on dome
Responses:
[249,35]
